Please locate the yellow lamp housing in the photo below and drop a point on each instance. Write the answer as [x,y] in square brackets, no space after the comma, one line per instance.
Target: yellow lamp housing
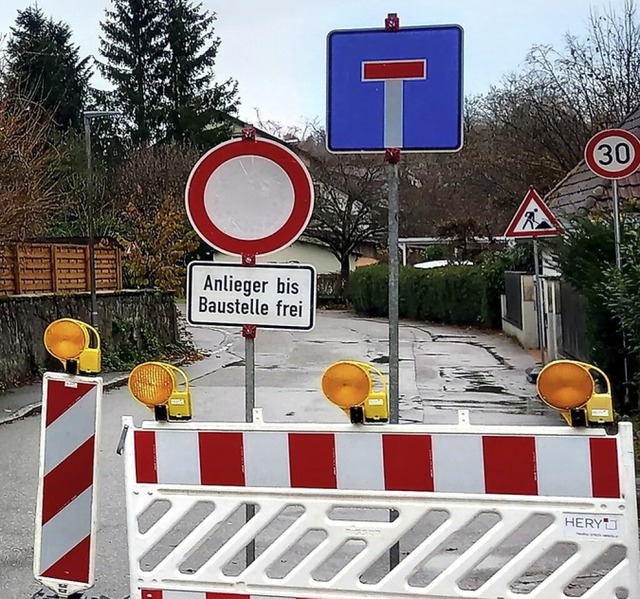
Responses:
[76,344]
[580,392]
[163,388]
[600,405]
[359,389]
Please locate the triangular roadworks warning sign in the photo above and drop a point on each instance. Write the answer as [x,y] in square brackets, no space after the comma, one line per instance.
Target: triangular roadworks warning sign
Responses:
[533,219]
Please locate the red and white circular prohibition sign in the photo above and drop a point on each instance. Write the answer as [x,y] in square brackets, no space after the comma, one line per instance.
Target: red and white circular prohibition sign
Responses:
[249,197]
[613,153]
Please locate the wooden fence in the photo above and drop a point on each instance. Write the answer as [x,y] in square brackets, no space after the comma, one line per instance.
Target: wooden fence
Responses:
[33,268]
[330,287]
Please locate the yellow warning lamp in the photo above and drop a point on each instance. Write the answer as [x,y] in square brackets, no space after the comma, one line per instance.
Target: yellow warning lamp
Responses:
[163,388]
[580,392]
[350,386]
[76,344]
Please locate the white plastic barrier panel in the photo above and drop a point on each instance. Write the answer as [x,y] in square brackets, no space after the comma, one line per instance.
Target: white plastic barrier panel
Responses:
[479,512]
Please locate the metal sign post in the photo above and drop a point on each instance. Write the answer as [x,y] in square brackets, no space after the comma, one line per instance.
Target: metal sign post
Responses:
[249,332]
[392,157]
[394,90]
[615,154]
[533,219]
[539,303]
[249,197]
[616,223]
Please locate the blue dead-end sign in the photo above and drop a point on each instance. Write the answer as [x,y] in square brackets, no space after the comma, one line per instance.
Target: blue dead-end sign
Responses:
[395,89]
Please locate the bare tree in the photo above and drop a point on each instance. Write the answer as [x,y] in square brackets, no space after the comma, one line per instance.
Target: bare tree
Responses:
[540,119]
[28,192]
[531,129]
[350,207]
[598,75]
[148,193]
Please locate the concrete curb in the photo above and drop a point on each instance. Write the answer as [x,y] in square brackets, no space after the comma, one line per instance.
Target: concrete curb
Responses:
[34,408]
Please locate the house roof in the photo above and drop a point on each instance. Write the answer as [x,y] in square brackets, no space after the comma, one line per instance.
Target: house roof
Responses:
[582,191]
[238,125]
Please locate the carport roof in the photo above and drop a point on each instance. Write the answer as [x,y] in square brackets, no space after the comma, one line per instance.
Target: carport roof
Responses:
[581,191]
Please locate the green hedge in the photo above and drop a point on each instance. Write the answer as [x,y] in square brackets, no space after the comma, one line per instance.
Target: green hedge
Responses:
[459,295]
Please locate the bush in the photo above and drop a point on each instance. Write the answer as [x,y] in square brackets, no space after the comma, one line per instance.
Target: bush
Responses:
[460,295]
[367,290]
[586,257]
[619,291]
[450,295]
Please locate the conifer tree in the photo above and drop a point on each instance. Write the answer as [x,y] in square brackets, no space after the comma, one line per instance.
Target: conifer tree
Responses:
[133,48]
[44,66]
[194,104]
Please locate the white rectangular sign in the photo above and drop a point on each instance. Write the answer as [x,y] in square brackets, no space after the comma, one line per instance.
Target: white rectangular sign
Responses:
[594,526]
[275,296]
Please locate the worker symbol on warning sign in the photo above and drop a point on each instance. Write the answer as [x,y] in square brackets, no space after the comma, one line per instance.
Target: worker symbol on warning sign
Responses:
[533,219]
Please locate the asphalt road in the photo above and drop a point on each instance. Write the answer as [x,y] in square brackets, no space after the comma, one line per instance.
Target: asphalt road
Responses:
[442,370]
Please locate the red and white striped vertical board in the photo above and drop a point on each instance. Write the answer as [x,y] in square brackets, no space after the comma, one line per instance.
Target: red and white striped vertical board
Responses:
[64,552]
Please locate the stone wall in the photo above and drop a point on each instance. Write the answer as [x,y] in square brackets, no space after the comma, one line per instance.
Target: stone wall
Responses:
[127,320]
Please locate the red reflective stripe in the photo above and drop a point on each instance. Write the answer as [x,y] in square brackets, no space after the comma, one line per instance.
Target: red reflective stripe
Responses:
[510,465]
[60,398]
[73,566]
[408,462]
[155,594]
[312,460]
[221,459]
[405,69]
[604,467]
[67,480]
[146,461]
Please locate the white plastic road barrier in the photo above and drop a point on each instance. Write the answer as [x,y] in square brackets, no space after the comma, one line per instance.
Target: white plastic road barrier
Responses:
[480,512]
[65,518]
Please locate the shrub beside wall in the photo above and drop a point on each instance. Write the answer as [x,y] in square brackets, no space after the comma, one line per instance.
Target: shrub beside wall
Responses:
[459,295]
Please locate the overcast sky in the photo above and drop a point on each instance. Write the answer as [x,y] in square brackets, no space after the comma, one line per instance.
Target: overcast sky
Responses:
[275,49]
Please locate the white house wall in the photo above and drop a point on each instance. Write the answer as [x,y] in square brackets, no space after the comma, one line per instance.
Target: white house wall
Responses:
[303,253]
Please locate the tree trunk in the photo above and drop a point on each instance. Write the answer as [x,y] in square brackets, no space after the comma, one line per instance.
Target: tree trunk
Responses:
[345,271]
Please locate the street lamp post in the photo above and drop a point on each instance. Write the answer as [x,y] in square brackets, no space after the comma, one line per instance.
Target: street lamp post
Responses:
[87,116]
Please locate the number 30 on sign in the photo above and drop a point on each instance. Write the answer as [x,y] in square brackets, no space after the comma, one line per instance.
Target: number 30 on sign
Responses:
[613,153]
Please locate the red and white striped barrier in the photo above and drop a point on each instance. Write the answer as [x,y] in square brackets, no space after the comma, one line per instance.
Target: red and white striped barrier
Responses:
[442,463]
[570,488]
[65,516]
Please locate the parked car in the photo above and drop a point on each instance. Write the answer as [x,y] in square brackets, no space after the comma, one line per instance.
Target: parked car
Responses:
[441,263]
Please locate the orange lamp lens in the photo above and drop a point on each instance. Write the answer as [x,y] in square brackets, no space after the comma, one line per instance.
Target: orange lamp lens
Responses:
[65,339]
[151,384]
[346,385]
[565,385]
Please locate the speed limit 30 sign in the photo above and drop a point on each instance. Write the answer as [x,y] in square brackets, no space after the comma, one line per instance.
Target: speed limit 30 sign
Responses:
[613,153]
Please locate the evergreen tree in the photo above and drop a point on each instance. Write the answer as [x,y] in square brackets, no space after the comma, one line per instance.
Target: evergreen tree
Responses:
[194,105]
[133,46]
[43,65]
